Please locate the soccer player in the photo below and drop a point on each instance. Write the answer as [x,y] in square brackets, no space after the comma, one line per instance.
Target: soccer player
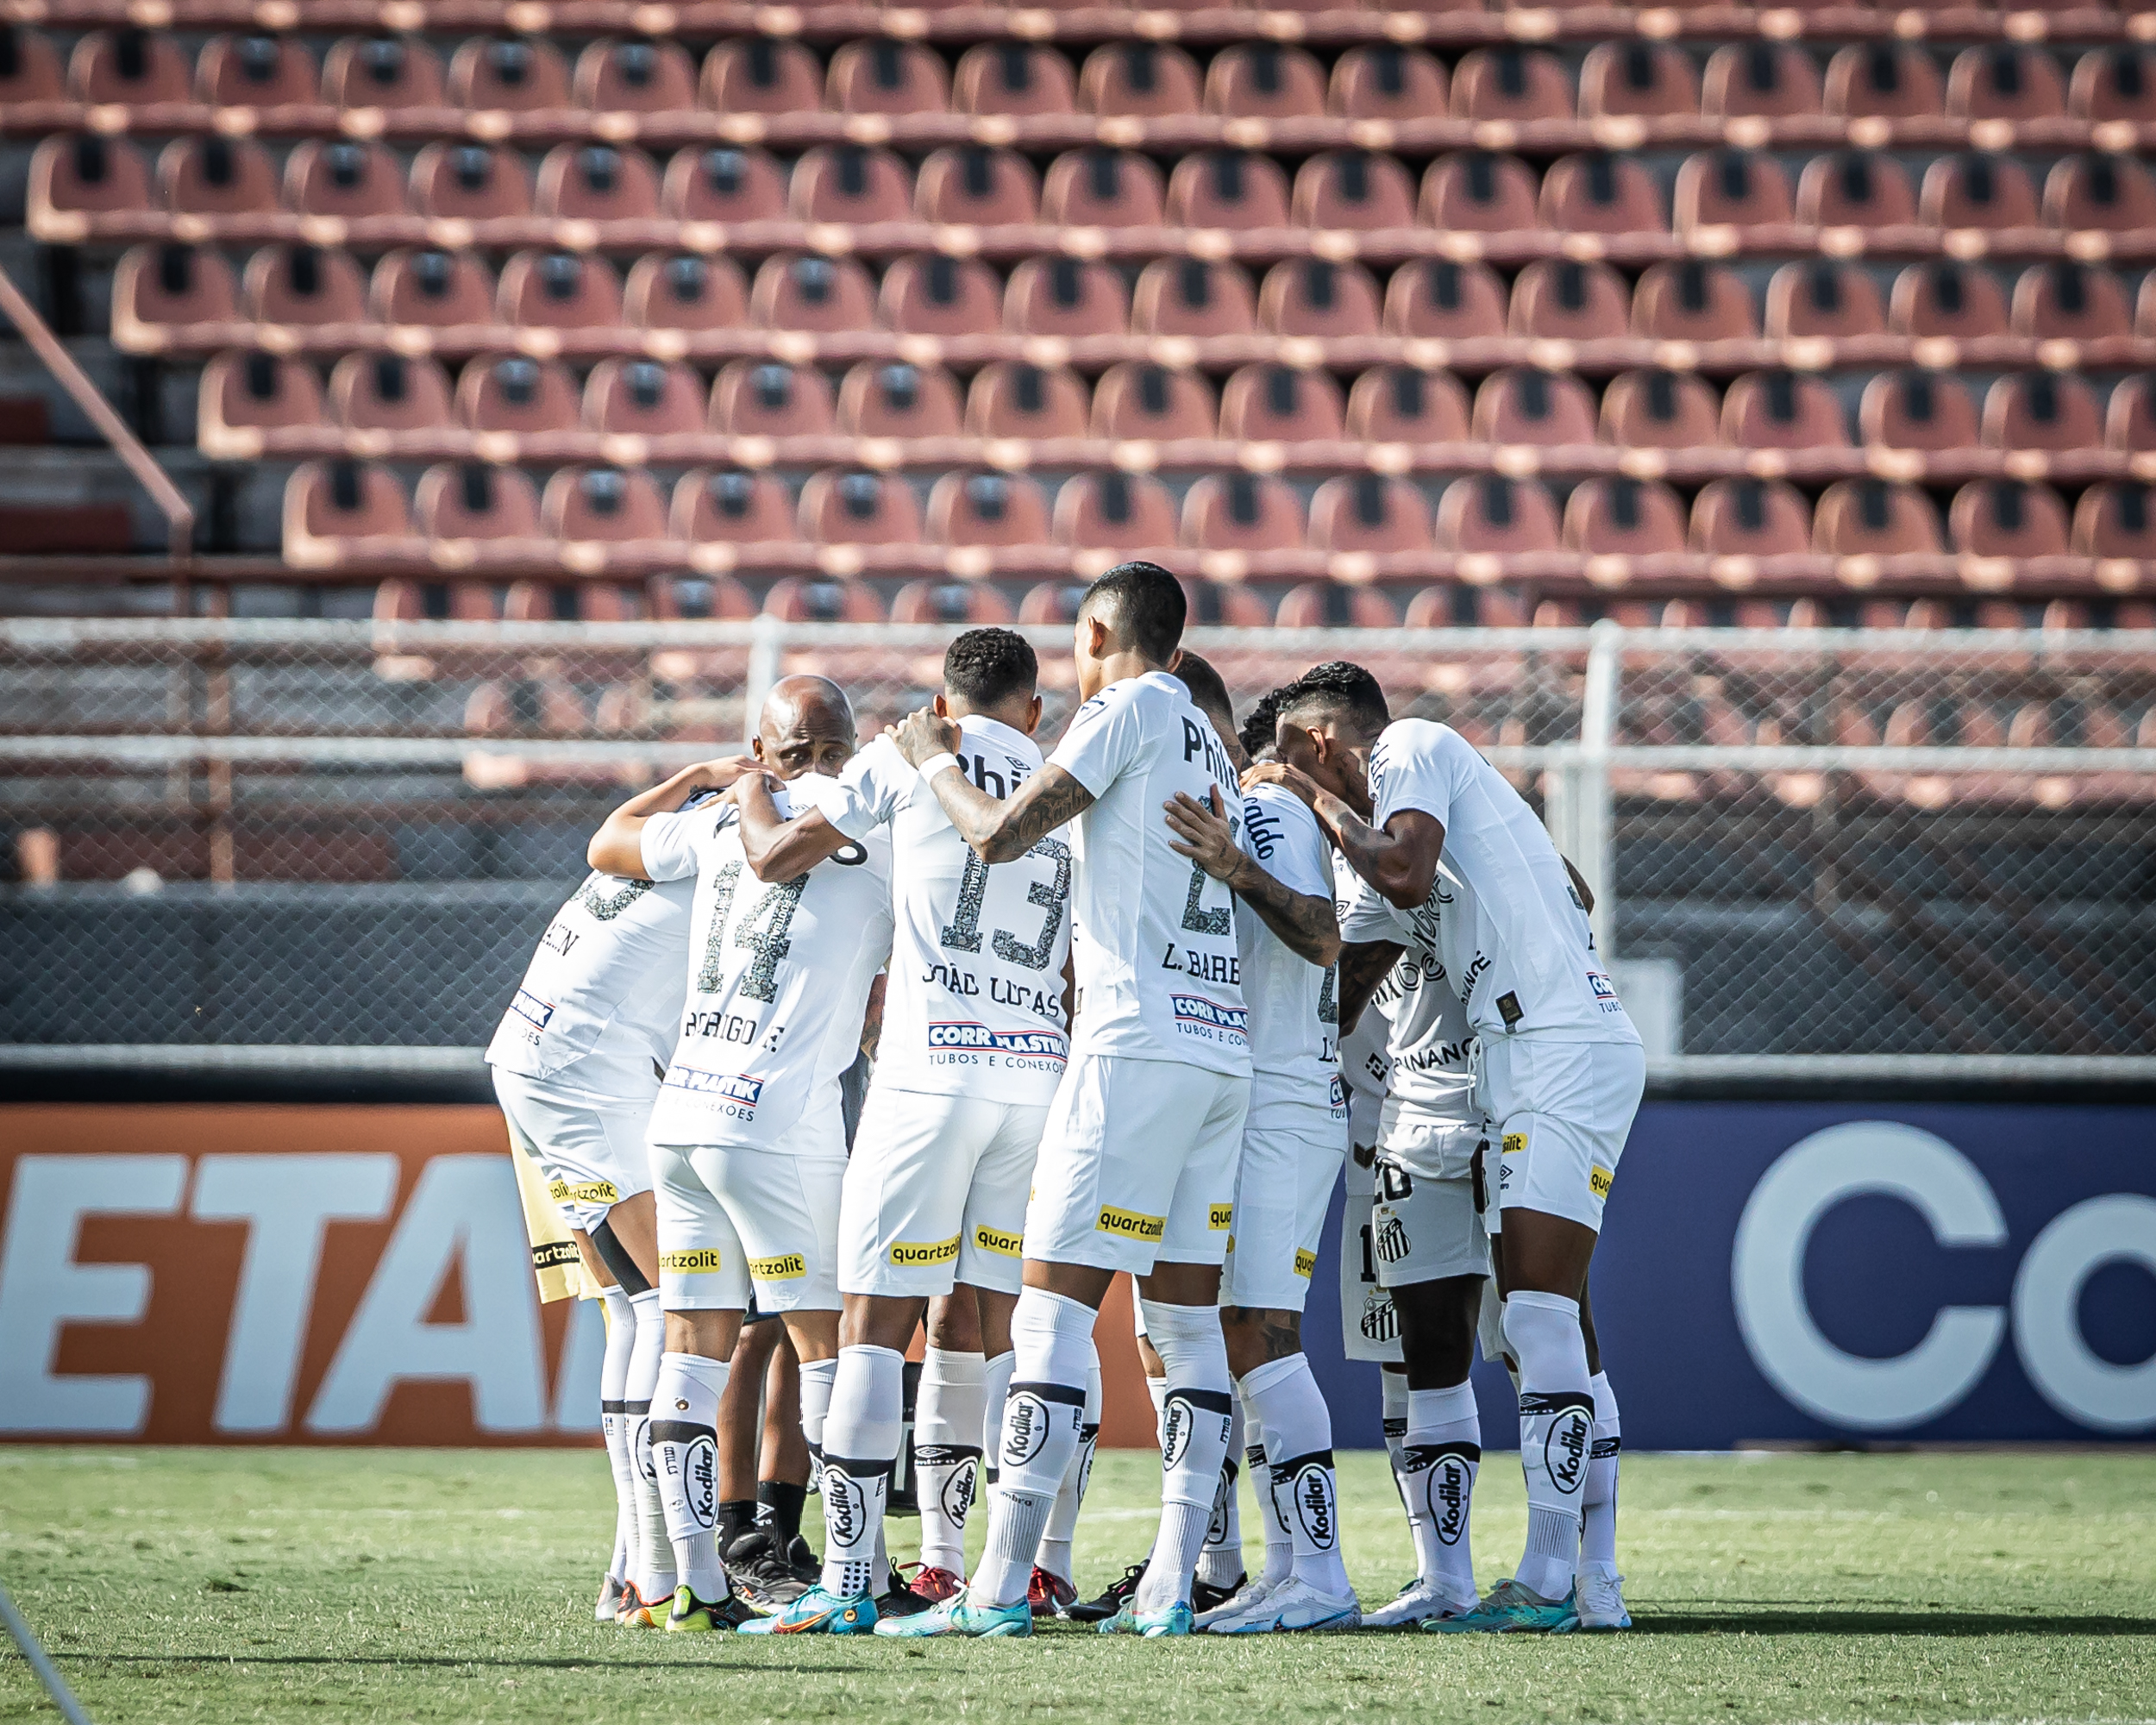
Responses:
[747,1145]
[935,1195]
[1560,1072]
[1137,1167]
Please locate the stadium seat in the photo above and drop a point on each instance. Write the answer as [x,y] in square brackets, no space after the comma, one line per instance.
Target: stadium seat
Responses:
[433,290]
[2041,410]
[855,508]
[1855,189]
[1783,409]
[88,174]
[1017,79]
[1886,80]
[1278,403]
[2116,519]
[1693,301]
[881,398]
[1917,410]
[2069,301]
[940,295]
[303,287]
[559,290]
[1067,297]
[1013,398]
[1399,405]
[1947,299]
[1353,189]
[823,598]
[1363,513]
[881,76]
[1652,80]
[760,75]
[724,185]
[1265,81]
[1225,604]
[1525,405]
[1317,297]
[1234,189]
[215,176]
[1438,298]
[519,75]
[1730,187]
[1975,189]
[1149,403]
[407,601]
[850,183]
[1773,81]
[255,71]
[30,68]
[129,67]
[2100,191]
[1748,518]
[1823,298]
[1601,193]
[1242,512]
[1626,518]
[2005,81]
[168,286]
[1565,300]
[1141,80]
[969,185]
[389,392]
[255,392]
[598,183]
[1660,410]
[517,395]
[1193,297]
[730,508]
[1512,84]
[572,602]
[680,291]
[1461,606]
[1114,512]
[987,509]
[951,603]
[1387,82]
[1874,518]
[1103,189]
[469,183]
[1333,604]
[361,73]
[2129,423]
[633,77]
[806,292]
[1052,601]
[356,507]
[643,399]
[2008,519]
[1491,513]
[344,178]
[1479,192]
[2115,83]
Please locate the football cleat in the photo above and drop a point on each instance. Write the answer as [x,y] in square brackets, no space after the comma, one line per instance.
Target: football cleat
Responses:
[694,1616]
[760,1573]
[1246,1598]
[1507,1608]
[608,1610]
[1047,1595]
[1120,1593]
[1205,1597]
[636,1614]
[958,1615]
[932,1586]
[1294,1604]
[818,1613]
[1598,1604]
[900,1600]
[1153,1625]
[1417,1603]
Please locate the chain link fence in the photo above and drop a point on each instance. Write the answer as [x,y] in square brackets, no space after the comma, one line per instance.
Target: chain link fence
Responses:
[1808,847]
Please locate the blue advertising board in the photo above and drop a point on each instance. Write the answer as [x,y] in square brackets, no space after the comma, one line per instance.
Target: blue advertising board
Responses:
[1856,1272]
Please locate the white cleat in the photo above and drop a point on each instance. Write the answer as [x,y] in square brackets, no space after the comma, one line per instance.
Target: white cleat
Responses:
[1250,1597]
[609,1604]
[1418,1602]
[1295,1604]
[1598,1603]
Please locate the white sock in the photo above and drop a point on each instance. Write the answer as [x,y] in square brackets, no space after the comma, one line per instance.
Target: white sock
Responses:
[1197,1412]
[685,1452]
[1280,1544]
[613,1376]
[1598,1499]
[1556,1423]
[817,1376]
[1392,1385]
[995,1386]
[1052,1339]
[655,1574]
[861,1442]
[1157,1388]
[1299,1453]
[948,1412]
[1442,1454]
[1070,1496]
[1220,1559]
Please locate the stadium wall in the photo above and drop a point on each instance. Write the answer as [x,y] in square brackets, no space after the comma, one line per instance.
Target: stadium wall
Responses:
[1773,1271]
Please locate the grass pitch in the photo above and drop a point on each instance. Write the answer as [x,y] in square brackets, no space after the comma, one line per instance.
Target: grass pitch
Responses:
[453,1585]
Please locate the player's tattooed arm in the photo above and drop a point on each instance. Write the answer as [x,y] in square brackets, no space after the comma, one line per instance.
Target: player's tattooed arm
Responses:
[872,1021]
[999,828]
[777,849]
[1579,885]
[617,847]
[1363,965]
[1070,991]
[1304,921]
[1400,861]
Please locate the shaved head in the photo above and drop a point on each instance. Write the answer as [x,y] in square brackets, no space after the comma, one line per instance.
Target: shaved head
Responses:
[806,726]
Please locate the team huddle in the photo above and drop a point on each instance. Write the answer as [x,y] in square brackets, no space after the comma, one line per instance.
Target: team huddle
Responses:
[1131,1006]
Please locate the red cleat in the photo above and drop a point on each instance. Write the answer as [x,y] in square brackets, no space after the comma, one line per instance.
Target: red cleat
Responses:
[1048,1593]
[936,1585]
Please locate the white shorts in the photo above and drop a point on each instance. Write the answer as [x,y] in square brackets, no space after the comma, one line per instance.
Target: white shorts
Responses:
[592,1147]
[1370,1327]
[935,1192]
[1560,1114]
[1284,1185]
[1137,1165]
[1427,1224]
[732,1216]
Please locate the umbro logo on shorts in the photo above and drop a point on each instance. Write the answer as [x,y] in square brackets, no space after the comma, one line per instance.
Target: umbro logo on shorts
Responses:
[1599,1180]
[995,1240]
[1132,1226]
[786,1267]
[906,1253]
[700,1262]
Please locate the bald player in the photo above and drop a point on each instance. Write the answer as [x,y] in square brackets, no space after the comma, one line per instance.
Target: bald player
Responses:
[748,1143]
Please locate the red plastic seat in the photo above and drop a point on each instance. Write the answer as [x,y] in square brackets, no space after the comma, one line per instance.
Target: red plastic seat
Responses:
[823,598]
[859,508]
[432,289]
[1917,410]
[1139,79]
[2065,300]
[1317,297]
[1461,606]
[1439,298]
[1975,189]
[338,508]
[762,398]
[1014,399]
[1277,404]
[2109,192]
[1782,410]
[1774,80]
[1067,297]
[850,183]
[570,602]
[559,291]
[1363,513]
[730,508]
[2129,423]
[303,287]
[806,292]
[472,501]
[1225,604]
[1236,189]
[2115,83]
[951,603]
[1855,189]
[643,399]
[129,67]
[1746,518]
[1192,297]
[2114,519]
[389,392]
[1242,512]
[255,71]
[364,72]
[2005,81]
[881,76]
[343,178]
[1891,80]
[256,392]
[1489,513]
[634,78]
[1399,405]
[1693,301]
[1511,83]
[607,505]
[1624,518]
[2007,518]
[1525,405]
[1659,409]
[724,185]
[1601,193]
[1148,403]
[1387,82]
[940,295]
[1823,298]
[1565,300]
[167,287]
[882,399]
[971,185]
[1874,518]
[1650,79]
[1355,190]
[29,67]
[987,509]
[681,290]
[215,176]
[469,182]
[1017,79]
[1333,604]
[1103,189]
[2041,410]
[1943,297]
[598,183]
[1265,81]
[517,395]
[516,74]
[1734,188]
[760,75]
[398,600]
[1481,192]
[1114,512]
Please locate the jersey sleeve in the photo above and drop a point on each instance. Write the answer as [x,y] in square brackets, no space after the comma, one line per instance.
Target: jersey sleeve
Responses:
[877,784]
[1281,833]
[1105,737]
[1369,919]
[1414,765]
[672,844]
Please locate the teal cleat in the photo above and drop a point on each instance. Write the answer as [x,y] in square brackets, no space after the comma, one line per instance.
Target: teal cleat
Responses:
[959,1615]
[818,1613]
[1153,1625]
[1507,1608]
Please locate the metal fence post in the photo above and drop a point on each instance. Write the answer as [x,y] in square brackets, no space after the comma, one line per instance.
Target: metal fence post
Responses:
[1594,827]
[767,639]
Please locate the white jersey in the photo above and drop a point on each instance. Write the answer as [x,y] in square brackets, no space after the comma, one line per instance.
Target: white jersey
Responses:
[1366,1067]
[1429,1047]
[600,1003]
[1521,955]
[1157,965]
[778,976]
[1295,1020]
[976,1006]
